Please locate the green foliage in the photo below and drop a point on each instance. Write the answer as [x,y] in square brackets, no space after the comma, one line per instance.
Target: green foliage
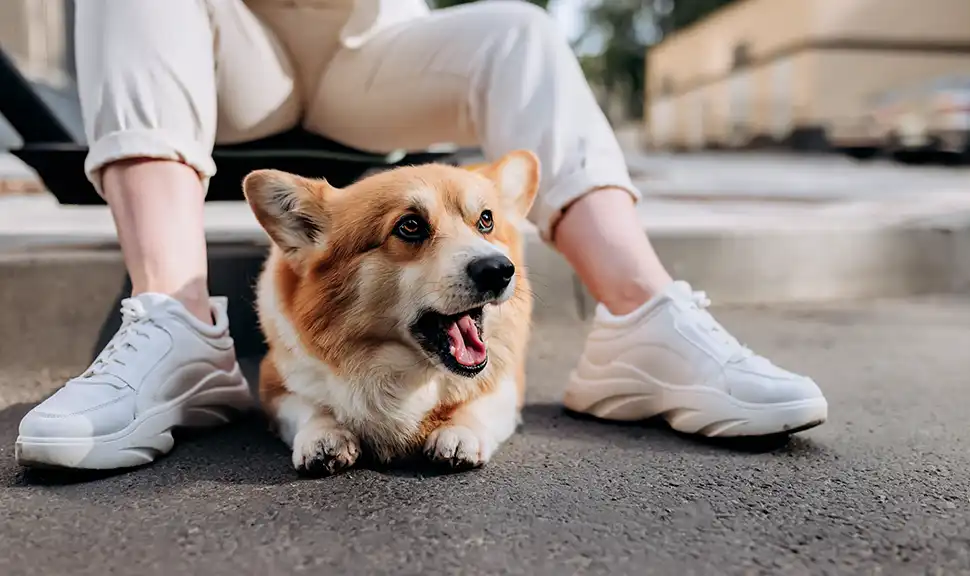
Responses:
[619,69]
[686,12]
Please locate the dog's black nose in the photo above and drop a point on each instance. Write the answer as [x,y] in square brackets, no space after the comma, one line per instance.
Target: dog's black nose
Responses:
[491,274]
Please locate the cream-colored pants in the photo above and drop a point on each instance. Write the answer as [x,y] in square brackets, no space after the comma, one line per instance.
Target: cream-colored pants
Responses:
[168,79]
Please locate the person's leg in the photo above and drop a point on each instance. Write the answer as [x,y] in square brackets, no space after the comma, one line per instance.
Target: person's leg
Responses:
[152,97]
[500,74]
[157,209]
[601,236]
[149,90]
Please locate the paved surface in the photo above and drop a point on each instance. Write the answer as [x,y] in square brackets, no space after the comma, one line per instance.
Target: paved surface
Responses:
[808,177]
[883,488]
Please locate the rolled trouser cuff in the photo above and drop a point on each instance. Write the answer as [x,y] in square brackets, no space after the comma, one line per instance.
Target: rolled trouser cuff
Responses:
[152,144]
[553,203]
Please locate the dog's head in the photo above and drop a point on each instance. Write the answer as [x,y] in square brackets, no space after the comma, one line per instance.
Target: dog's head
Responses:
[416,259]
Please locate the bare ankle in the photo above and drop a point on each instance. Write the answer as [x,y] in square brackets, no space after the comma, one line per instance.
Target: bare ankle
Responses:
[158,206]
[624,297]
[198,306]
[601,236]
[194,296]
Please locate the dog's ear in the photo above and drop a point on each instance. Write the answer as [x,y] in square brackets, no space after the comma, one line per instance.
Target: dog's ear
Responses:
[289,207]
[517,176]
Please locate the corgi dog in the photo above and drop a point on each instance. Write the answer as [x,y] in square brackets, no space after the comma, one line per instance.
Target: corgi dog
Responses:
[396,312]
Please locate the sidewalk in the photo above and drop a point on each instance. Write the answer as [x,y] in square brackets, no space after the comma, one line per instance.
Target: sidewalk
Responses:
[858,229]
[881,488]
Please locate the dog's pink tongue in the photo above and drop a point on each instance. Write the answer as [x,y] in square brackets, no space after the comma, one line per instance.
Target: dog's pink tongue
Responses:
[467,348]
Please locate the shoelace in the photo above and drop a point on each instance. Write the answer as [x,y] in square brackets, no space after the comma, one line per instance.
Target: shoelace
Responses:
[134,318]
[700,302]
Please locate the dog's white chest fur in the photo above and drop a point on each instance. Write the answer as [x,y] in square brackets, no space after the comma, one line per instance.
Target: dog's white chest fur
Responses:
[382,409]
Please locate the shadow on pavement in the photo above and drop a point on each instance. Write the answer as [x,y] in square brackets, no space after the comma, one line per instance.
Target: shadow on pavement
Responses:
[654,433]
[247,453]
[243,452]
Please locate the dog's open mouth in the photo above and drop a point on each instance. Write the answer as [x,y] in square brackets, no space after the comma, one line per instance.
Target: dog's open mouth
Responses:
[454,339]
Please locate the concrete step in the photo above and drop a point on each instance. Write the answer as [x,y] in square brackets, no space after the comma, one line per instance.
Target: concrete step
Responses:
[754,233]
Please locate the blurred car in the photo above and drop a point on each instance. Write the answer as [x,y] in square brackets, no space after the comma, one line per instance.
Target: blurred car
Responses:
[856,136]
[948,117]
[926,121]
[873,130]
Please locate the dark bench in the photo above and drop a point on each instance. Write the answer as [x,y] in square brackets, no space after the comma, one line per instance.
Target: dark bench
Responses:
[50,148]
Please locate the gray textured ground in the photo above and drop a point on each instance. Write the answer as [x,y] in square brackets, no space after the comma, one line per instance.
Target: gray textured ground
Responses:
[883,488]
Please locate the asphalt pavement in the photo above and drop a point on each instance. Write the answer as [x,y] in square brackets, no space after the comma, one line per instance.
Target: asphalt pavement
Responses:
[882,488]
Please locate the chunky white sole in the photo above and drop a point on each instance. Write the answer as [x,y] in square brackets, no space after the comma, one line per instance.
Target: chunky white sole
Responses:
[212,402]
[691,410]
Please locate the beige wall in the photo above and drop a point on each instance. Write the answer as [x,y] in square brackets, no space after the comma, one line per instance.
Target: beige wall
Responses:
[706,50]
[896,19]
[769,99]
[33,33]
[13,33]
[799,76]
[847,80]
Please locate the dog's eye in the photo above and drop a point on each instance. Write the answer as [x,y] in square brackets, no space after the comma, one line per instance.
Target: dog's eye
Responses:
[485,222]
[411,228]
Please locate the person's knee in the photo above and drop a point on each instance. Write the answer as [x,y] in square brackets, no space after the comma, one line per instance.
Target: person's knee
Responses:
[523,21]
[520,33]
[524,15]
[530,21]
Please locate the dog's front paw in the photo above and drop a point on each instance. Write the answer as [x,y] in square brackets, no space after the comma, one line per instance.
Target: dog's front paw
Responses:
[324,451]
[459,447]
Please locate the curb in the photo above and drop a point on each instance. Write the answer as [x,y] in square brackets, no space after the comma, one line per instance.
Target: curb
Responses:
[818,266]
[60,304]
[20,187]
[56,303]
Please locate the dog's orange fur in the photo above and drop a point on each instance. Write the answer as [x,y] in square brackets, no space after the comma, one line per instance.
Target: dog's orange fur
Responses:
[338,294]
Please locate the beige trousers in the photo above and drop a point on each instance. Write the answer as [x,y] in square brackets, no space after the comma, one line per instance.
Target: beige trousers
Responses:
[168,79]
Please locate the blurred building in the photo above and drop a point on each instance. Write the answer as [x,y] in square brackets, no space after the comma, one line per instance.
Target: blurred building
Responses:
[38,35]
[798,72]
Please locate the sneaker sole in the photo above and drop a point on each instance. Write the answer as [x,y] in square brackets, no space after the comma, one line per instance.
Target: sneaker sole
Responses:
[692,410]
[212,402]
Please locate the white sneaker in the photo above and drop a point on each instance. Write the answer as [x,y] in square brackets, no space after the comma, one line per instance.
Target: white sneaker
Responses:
[164,368]
[671,358]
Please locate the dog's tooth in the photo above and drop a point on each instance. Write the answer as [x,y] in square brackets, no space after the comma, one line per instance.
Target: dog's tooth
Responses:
[452,350]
